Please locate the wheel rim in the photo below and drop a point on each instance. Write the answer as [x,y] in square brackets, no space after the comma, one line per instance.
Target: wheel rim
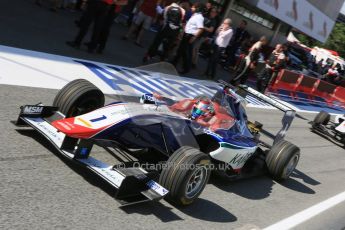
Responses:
[291,165]
[196,181]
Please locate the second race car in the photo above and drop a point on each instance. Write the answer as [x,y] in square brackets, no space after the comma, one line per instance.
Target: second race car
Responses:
[323,125]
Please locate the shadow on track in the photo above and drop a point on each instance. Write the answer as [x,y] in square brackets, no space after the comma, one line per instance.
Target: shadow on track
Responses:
[260,187]
[202,209]
[255,188]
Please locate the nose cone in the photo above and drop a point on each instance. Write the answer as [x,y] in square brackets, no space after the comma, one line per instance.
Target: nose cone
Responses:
[75,127]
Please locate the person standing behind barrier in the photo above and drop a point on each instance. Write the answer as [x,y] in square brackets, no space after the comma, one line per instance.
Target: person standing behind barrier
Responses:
[192,31]
[249,62]
[275,63]
[210,25]
[223,36]
[173,17]
[144,19]
[96,13]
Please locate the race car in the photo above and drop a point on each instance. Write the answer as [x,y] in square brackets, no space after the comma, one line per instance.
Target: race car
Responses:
[323,125]
[167,148]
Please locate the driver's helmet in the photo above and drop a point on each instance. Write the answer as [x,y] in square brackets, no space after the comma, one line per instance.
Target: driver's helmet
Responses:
[202,107]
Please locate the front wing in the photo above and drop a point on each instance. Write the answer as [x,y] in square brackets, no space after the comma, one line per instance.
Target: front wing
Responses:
[133,185]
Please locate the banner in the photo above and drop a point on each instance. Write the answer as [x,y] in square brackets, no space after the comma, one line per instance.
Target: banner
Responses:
[302,15]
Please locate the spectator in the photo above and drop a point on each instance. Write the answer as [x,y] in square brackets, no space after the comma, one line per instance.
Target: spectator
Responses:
[275,62]
[240,35]
[208,9]
[173,17]
[96,13]
[188,10]
[210,25]
[249,62]
[320,66]
[332,75]
[192,31]
[223,36]
[144,19]
[108,22]
[130,10]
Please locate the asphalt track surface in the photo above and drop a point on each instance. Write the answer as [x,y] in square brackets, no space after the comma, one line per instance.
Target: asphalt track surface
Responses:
[41,190]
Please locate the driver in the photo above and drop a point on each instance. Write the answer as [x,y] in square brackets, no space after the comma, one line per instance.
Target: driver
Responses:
[200,109]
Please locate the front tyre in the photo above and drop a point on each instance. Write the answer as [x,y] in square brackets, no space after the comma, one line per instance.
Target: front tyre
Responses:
[322,118]
[78,97]
[282,160]
[185,175]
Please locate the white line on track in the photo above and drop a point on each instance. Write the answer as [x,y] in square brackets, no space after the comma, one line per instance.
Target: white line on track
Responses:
[308,213]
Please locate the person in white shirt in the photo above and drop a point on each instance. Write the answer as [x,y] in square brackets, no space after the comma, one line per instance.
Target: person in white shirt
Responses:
[192,31]
[223,37]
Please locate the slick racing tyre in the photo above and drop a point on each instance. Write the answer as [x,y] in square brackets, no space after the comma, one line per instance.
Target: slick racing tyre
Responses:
[282,159]
[185,175]
[78,97]
[322,118]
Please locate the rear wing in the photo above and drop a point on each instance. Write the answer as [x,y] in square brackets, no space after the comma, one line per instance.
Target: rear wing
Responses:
[289,113]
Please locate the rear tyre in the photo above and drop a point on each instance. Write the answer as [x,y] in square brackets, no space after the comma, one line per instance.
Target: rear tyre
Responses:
[78,97]
[282,160]
[186,174]
[322,118]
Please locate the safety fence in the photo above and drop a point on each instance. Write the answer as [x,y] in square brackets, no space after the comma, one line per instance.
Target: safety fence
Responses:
[295,86]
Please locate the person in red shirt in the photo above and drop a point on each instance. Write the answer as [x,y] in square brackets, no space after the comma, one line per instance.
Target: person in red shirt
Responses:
[147,12]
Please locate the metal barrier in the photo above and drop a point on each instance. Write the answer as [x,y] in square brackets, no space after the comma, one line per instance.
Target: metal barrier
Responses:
[301,87]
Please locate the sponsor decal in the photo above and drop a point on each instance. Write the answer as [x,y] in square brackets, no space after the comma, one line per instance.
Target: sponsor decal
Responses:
[209,132]
[157,188]
[104,169]
[65,125]
[33,109]
[84,122]
[241,158]
[47,129]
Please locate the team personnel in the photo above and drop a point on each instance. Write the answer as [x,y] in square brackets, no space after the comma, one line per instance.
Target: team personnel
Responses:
[96,13]
[249,62]
[223,36]
[143,21]
[274,64]
[173,17]
[210,25]
[108,22]
[240,35]
[192,31]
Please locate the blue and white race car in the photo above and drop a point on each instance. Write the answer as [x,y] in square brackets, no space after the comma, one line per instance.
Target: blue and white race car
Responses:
[167,148]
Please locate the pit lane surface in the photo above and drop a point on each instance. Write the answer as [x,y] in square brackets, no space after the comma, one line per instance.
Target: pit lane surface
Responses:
[41,190]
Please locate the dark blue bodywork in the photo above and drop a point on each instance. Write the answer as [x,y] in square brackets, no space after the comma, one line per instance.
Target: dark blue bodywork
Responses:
[166,134]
